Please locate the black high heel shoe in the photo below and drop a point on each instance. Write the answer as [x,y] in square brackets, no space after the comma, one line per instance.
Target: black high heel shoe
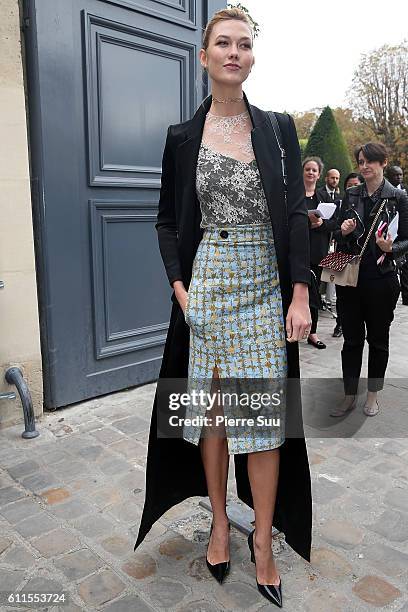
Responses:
[272,592]
[218,570]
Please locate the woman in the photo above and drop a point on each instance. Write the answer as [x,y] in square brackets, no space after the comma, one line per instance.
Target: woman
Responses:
[367,310]
[320,231]
[221,181]
[352,180]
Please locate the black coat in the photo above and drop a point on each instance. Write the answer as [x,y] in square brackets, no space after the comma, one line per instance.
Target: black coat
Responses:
[174,468]
[320,236]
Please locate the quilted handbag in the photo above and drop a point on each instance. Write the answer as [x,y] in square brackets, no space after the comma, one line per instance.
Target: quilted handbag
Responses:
[343,268]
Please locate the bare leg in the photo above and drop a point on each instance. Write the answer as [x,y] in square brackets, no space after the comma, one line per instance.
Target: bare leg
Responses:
[214,454]
[371,407]
[371,398]
[263,472]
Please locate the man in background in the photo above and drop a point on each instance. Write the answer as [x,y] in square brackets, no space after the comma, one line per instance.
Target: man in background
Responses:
[330,191]
[396,177]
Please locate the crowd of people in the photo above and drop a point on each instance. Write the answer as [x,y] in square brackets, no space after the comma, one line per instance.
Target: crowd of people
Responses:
[367,310]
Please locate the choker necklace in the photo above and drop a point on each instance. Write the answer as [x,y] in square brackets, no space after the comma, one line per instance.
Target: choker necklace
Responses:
[228,100]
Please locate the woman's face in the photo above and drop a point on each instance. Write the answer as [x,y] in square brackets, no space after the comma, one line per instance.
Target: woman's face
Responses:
[352,182]
[229,55]
[311,172]
[371,170]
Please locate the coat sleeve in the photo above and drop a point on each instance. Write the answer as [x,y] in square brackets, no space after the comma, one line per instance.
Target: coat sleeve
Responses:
[166,225]
[343,214]
[298,220]
[328,225]
[400,245]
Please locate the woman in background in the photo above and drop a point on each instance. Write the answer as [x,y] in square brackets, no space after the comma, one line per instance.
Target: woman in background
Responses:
[319,235]
[367,310]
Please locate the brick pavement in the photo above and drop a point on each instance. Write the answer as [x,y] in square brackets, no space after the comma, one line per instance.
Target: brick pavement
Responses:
[71,501]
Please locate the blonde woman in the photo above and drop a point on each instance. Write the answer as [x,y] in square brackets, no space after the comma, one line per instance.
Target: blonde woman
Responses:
[237,257]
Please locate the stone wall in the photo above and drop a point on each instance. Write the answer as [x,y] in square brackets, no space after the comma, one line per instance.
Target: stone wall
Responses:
[19,324]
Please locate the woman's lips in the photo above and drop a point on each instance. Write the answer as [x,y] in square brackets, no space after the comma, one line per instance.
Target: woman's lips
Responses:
[231,67]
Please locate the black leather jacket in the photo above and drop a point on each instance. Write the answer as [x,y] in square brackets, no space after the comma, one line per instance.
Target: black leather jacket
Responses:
[352,207]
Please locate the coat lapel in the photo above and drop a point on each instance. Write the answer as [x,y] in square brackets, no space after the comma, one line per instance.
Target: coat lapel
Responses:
[186,165]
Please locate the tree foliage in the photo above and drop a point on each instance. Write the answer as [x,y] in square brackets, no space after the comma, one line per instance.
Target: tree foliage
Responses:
[305,122]
[379,95]
[328,143]
[355,131]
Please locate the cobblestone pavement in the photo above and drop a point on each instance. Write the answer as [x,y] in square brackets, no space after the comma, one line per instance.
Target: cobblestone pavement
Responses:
[71,501]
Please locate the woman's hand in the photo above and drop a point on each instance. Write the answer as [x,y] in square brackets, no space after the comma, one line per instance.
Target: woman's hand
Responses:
[298,320]
[348,226]
[181,294]
[315,221]
[385,244]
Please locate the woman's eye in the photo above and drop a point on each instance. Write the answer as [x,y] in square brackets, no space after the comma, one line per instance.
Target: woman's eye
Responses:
[222,42]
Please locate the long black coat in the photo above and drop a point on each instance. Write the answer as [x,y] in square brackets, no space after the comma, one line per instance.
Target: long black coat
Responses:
[174,468]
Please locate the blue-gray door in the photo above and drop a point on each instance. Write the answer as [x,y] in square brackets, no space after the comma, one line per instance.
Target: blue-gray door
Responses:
[105,79]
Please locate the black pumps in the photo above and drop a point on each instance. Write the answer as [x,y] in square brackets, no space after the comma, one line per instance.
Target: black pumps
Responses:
[272,592]
[219,570]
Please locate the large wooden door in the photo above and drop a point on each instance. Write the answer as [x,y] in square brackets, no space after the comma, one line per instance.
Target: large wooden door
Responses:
[105,79]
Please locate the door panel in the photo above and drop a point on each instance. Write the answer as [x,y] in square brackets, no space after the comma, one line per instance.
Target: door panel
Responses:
[105,79]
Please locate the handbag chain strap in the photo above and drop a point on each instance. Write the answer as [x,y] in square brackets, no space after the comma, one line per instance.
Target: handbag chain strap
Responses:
[372,227]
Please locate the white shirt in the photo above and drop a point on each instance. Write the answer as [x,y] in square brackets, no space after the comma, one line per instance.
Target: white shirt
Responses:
[331,192]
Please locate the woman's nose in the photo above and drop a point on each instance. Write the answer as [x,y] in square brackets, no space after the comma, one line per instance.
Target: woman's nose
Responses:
[234,51]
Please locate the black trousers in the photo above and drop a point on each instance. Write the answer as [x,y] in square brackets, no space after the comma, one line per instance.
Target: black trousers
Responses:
[314,312]
[367,308]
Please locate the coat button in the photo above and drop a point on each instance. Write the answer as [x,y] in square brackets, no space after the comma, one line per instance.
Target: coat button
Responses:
[224,234]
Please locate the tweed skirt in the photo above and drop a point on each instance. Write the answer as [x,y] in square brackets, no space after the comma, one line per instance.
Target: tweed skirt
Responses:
[234,311]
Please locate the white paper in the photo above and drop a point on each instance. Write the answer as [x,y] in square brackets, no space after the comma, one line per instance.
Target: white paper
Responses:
[326,209]
[393,227]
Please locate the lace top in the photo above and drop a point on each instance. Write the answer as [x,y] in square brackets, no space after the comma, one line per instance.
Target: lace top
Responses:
[228,183]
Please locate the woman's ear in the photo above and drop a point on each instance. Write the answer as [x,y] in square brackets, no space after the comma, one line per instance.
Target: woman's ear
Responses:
[203,58]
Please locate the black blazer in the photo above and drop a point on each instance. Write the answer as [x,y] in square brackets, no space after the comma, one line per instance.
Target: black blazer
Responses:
[320,236]
[352,207]
[179,214]
[324,196]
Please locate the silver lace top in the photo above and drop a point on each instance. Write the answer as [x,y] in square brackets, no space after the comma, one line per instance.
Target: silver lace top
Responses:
[228,183]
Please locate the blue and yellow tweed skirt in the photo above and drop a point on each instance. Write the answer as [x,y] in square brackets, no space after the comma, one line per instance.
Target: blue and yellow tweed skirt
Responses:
[234,311]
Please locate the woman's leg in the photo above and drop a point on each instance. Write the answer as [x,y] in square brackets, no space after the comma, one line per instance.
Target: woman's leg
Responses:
[263,473]
[380,300]
[314,312]
[351,308]
[215,457]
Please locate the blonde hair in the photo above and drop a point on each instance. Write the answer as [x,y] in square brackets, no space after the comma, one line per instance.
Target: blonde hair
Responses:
[223,15]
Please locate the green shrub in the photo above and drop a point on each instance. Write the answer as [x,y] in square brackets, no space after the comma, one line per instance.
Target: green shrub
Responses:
[328,143]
